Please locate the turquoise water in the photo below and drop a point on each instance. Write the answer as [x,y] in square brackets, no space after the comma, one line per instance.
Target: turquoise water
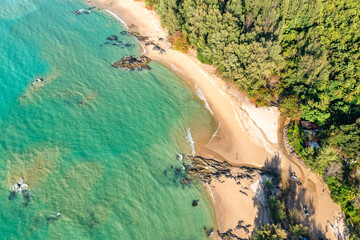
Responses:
[96,144]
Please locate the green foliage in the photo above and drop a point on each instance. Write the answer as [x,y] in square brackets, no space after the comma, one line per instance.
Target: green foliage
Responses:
[203,57]
[304,54]
[276,208]
[296,136]
[269,232]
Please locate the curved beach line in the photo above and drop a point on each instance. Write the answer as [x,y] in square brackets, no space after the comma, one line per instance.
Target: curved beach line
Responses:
[118,18]
[217,205]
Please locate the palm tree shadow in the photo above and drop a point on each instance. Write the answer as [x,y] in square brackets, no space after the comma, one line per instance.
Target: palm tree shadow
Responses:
[295,197]
[272,170]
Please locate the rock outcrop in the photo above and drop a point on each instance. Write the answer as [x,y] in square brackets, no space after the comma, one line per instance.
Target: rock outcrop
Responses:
[132,63]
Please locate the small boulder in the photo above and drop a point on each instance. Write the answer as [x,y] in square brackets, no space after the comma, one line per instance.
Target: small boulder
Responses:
[195,202]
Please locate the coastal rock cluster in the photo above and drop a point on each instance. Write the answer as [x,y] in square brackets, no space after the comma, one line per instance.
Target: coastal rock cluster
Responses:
[115,41]
[132,63]
[21,187]
[207,169]
[145,40]
[156,47]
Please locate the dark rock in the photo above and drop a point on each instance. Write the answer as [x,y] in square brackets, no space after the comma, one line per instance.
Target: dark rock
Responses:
[243,192]
[161,39]
[156,47]
[112,38]
[118,43]
[53,217]
[78,12]
[131,63]
[135,34]
[128,45]
[228,235]
[195,203]
[185,181]
[132,26]
[149,43]
[208,231]
[142,38]
[124,32]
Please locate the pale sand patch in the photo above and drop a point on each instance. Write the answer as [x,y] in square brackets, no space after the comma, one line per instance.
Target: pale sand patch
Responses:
[247,135]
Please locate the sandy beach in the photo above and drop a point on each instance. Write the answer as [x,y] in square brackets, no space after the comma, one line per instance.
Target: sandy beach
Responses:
[248,135]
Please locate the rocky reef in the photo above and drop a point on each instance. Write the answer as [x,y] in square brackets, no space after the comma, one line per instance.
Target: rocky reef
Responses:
[132,63]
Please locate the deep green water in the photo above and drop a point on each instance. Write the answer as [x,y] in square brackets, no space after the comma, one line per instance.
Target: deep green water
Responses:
[108,164]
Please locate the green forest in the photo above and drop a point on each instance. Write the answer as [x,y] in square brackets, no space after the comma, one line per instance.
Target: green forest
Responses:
[299,55]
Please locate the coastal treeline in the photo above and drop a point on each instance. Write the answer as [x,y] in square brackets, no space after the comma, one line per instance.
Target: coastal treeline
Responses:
[300,55]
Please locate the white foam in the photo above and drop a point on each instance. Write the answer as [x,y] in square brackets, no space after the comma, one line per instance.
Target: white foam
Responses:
[202,97]
[209,78]
[142,47]
[118,18]
[181,159]
[214,134]
[219,205]
[191,141]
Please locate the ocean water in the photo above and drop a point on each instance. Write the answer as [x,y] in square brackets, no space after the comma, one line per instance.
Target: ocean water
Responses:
[94,143]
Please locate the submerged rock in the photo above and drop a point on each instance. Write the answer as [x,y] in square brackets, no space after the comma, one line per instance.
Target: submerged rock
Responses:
[118,43]
[131,63]
[185,181]
[124,32]
[112,38]
[195,202]
[53,217]
[19,186]
[209,231]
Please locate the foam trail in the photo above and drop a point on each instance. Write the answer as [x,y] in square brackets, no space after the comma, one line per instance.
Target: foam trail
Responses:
[180,158]
[118,18]
[191,141]
[142,47]
[220,210]
[214,134]
[202,97]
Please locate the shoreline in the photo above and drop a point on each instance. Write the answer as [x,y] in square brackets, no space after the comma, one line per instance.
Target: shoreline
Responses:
[246,135]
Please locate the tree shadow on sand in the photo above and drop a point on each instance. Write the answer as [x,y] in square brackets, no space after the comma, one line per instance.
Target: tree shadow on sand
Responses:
[271,169]
[292,195]
[295,197]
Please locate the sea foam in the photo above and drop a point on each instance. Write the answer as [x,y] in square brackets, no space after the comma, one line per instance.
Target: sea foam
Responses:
[202,97]
[191,141]
[118,18]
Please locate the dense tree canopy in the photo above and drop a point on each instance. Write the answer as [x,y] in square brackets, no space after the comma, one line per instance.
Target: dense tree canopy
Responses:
[302,55]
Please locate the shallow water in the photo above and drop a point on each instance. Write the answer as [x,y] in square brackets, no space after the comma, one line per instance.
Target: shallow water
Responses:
[96,144]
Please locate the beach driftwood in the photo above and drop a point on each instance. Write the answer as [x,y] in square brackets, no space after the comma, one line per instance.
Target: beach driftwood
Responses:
[132,63]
